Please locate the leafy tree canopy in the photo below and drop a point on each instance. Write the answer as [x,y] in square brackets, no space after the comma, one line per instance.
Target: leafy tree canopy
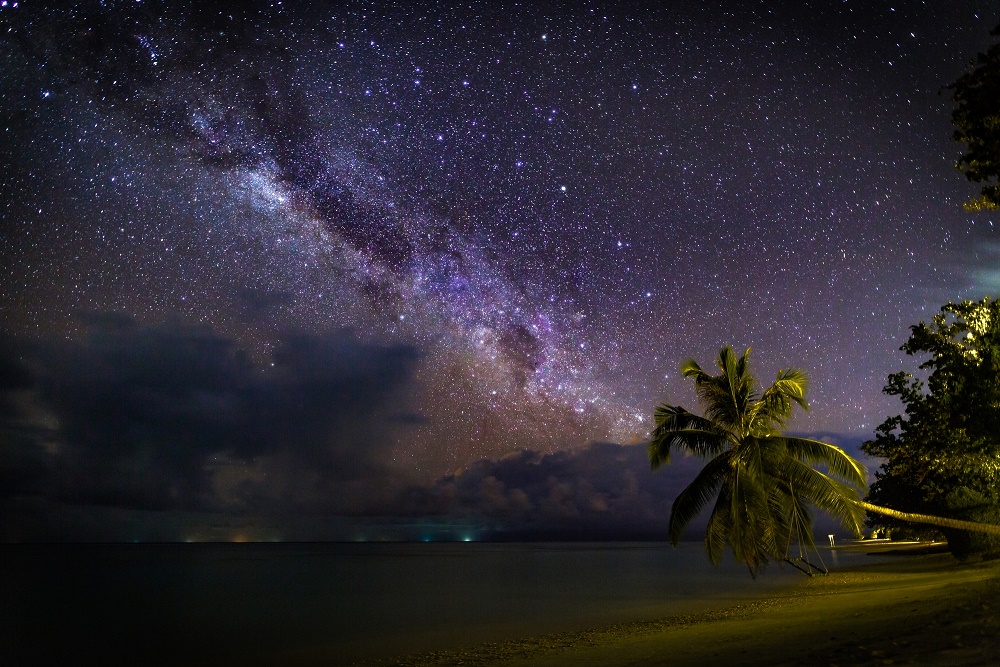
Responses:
[977,123]
[942,456]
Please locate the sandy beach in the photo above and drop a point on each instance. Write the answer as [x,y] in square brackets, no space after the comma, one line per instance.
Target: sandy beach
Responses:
[924,610]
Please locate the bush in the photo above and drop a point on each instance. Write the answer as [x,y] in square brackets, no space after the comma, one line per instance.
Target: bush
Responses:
[968,505]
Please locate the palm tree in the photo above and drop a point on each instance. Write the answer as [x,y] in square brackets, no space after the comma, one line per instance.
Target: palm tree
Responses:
[939,521]
[763,483]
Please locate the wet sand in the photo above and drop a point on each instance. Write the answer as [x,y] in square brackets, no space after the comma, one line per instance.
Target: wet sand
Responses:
[924,610]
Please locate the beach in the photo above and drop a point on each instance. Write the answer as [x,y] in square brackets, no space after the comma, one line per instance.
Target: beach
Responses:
[426,605]
[924,610]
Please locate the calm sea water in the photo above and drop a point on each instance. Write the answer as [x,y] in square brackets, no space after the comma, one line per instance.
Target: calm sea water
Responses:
[338,603]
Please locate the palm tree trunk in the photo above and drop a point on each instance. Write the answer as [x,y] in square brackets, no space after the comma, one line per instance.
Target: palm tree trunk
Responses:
[942,522]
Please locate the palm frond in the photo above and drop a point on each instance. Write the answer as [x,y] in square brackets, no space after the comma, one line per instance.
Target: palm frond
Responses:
[691,369]
[798,518]
[753,533]
[775,404]
[724,397]
[719,528]
[840,463]
[825,493]
[750,457]
[743,365]
[675,427]
[697,495]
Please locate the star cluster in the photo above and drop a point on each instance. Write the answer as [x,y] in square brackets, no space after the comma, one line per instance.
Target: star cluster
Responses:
[548,207]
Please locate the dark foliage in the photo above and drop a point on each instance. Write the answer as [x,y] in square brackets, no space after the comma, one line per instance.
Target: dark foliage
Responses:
[977,124]
[942,456]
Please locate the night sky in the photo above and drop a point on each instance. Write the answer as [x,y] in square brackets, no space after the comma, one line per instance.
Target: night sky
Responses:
[400,270]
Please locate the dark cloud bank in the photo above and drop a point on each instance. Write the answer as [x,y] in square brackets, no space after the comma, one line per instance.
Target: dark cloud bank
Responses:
[172,431]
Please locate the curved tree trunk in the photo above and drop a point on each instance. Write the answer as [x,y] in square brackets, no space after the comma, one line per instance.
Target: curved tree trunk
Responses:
[942,522]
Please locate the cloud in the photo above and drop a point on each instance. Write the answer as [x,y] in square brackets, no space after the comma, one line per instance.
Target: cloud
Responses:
[601,491]
[178,417]
[172,430]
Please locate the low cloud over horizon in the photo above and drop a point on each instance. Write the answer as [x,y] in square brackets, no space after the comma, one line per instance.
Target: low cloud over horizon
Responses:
[173,431]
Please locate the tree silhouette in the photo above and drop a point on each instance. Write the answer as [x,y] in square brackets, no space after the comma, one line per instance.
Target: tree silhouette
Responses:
[977,123]
[942,456]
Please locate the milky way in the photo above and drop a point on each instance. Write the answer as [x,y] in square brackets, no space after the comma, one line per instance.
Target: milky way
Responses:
[542,208]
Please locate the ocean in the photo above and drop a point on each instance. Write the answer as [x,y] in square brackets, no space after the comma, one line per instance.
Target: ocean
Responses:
[335,604]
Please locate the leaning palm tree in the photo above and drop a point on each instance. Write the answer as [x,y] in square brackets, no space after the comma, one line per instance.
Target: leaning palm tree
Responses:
[764,484]
[939,521]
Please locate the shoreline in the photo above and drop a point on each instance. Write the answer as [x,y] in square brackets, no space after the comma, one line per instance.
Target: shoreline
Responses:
[926,610]
[888,548]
